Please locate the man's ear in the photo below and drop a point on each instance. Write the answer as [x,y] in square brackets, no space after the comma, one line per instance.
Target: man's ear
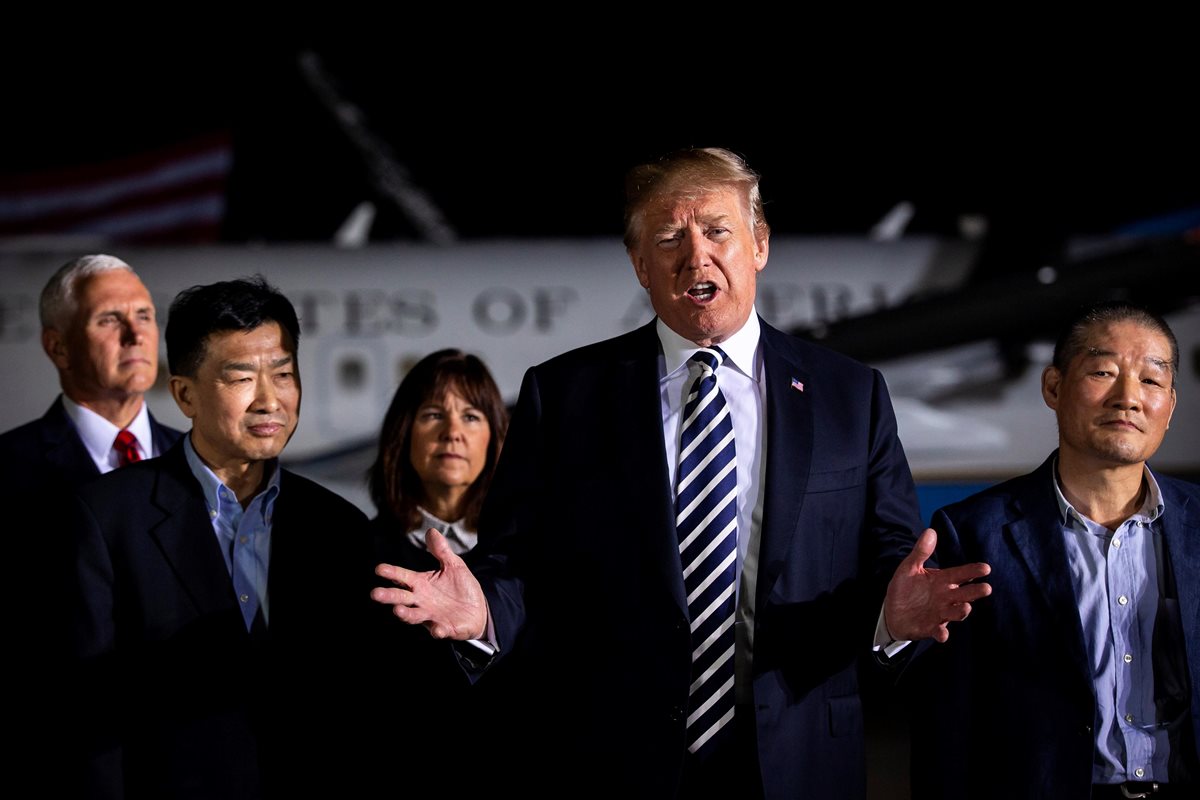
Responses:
[183,390]
[760,254]
[1051,380]
[55,345]
[639,269]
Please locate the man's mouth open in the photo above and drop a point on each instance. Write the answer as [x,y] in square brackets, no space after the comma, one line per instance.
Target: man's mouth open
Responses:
[703,292]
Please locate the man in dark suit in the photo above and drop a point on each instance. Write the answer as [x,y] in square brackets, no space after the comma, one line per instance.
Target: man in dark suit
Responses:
[1080,677]
[211,584]
[714,661]
[100,331]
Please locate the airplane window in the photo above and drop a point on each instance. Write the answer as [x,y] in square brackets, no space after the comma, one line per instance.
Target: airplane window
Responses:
[352,373]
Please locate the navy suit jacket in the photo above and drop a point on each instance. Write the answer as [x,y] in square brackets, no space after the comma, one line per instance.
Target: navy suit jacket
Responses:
[48,453]
[1007,707]
[42,463]
[579,558]
[176,697]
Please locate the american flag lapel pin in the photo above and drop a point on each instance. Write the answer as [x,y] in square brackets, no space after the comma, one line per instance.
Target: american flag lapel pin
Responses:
[797,385]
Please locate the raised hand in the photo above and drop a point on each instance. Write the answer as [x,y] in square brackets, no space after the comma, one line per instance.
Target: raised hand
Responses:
[447,601]
[921,602]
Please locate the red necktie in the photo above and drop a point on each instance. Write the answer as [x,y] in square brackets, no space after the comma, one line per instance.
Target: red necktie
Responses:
[126,447]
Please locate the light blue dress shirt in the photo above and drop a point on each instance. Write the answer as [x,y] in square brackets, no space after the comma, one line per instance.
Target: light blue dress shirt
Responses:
[243,534]
[1115,574]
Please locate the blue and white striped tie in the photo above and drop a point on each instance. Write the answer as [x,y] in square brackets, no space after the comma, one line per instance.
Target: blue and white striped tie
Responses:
[706,519]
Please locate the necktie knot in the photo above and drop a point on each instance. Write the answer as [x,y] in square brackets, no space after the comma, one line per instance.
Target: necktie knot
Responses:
[709,359]
[126,446]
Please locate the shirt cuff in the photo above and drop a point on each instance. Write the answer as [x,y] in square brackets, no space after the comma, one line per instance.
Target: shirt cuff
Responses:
[884,640]
[477,654]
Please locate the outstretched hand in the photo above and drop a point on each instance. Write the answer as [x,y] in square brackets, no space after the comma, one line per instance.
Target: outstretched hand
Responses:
[921,602]
[447,601]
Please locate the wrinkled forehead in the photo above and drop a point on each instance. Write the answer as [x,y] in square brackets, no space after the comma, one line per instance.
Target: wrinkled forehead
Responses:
[687,204]
[114,286]
[1125,339]
[235,344]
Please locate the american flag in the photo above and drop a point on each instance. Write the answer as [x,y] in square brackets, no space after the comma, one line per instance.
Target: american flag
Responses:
[797,385]
[175,193]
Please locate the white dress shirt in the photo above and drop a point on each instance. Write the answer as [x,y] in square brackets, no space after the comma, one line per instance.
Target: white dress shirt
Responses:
[740,380]
[98,434]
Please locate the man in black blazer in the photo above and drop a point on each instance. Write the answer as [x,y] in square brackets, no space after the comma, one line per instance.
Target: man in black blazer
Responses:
[579,549]
[218,600]
[99,329]
[1080,677]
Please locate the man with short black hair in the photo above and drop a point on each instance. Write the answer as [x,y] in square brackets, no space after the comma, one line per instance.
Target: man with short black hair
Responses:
[218,600]
[1080,676]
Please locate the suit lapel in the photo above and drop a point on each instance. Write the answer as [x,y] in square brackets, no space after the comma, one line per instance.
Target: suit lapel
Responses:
[63,447]
[789,434]
[637,408]
[162,436]
[1036,536]
[1181,532]
[184,534]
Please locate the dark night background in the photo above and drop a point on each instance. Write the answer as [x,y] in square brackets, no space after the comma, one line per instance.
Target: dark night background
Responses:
[523,146]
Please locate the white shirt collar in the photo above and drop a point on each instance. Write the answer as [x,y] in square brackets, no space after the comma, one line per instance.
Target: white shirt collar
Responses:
[98,433]
[460,539]
[740,348]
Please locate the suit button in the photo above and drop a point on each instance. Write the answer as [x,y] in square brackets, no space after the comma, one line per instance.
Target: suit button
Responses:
[676,713]
[1085,729]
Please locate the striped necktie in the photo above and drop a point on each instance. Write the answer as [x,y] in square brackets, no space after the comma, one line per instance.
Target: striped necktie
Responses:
[706,520]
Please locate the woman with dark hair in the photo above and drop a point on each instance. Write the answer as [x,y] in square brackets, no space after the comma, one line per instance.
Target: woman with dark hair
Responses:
[437,450]
[438,447]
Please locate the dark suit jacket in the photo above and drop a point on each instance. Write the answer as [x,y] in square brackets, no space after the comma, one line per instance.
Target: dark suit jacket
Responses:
[41,464]
[1007,708]
[579,553]
[443,719]
[177,698]
[48,452]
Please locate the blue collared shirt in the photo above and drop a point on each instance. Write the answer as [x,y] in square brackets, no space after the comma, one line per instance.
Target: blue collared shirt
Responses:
[243,534]
[1115,574]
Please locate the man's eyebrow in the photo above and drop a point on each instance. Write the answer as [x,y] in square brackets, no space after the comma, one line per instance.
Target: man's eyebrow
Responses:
[237,366]
[1161,363]
[281,362]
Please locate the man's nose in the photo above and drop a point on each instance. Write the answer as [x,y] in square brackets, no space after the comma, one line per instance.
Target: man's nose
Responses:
[133,332]
[266,398]
[1126,392]
[696,250]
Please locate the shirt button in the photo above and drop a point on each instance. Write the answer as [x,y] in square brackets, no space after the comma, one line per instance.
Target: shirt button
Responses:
[1139,772]
[1129,717]
[1122,600]
[1116,543]
[212,515]
[245,598]
[243,539]
[1128,658]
